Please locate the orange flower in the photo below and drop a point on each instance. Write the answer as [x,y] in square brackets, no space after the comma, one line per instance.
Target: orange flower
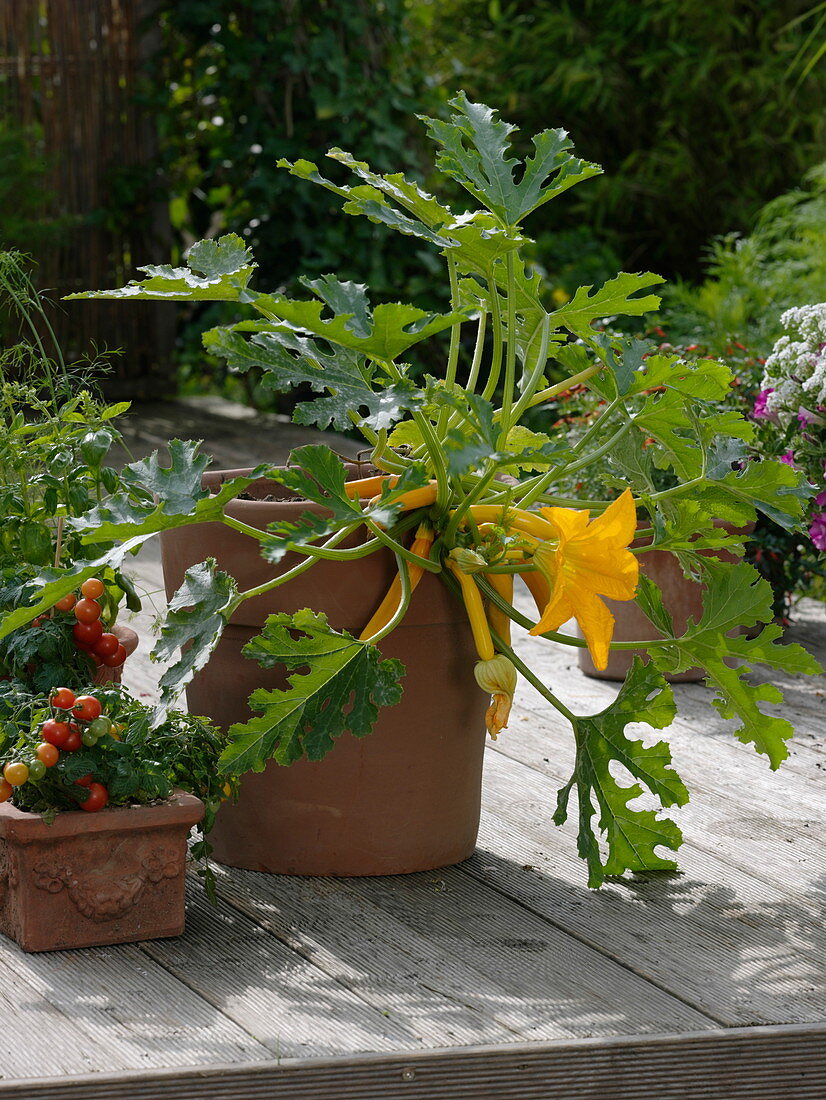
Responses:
[590,560]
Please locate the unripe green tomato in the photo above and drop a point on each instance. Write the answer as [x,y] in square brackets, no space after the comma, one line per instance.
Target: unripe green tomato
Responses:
[88,738]
[99,727]
[37,769]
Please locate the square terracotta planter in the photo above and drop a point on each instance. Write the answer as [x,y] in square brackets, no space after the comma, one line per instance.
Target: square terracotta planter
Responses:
[116,876]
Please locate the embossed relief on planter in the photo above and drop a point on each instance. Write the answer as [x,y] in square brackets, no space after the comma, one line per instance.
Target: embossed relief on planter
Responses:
[110,890]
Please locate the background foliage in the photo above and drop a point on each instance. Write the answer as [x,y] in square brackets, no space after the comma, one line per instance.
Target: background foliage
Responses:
[698,112]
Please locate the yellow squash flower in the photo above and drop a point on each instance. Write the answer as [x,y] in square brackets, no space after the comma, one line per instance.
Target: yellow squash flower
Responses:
[498,677]
[591,560]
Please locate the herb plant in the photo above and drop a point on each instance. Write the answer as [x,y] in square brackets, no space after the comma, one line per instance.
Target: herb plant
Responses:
[482,497]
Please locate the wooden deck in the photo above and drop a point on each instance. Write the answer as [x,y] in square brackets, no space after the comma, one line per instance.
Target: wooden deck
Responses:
[504,976]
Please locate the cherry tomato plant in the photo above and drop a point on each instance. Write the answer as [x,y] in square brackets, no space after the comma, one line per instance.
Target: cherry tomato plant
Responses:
[64,750]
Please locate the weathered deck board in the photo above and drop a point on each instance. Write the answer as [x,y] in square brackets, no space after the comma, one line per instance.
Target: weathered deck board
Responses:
[627,991]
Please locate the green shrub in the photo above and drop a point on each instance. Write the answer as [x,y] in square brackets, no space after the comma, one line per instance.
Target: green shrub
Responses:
[699,113]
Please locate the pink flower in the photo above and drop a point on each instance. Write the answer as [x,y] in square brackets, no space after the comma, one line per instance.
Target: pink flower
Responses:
[759,412]
[820,499]
[788,458]
[817,531]
[805,418]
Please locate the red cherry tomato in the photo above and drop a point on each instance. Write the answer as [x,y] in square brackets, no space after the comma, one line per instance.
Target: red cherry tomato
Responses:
[116,659]
[47,753]
[67,603]
[5,790]
[106,645]
[98,797]
[87,634]
[86,708]
[85,780]
[92,588]
[63,698]
[87,611]
[55,733]
[73,741]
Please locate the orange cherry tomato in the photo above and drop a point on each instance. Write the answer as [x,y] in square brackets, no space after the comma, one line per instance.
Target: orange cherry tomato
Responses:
[5,790]
[67,603]
[47,754]
[92,588]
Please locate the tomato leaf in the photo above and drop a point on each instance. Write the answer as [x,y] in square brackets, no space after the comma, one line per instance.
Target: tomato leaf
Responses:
[345,684]
[632,835]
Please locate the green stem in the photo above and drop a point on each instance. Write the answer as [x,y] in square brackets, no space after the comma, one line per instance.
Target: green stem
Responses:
[536,374]
[506,418]
[453,350]
[461,510]
[478,352]
[565,384]
[540,484]
[431,443]
[530,676]
[401,551]
[282,578]
[496,354]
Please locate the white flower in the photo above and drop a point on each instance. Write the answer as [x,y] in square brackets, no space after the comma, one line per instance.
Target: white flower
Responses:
[796,368]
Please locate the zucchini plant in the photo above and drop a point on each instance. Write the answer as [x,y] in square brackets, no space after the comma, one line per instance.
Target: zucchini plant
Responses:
[485,497]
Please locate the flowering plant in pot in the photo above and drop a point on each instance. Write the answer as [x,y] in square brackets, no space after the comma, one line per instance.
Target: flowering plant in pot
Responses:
[481,495]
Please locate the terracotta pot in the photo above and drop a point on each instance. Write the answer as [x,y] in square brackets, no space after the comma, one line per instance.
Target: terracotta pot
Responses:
[682,598]
[407,797]
[116,876]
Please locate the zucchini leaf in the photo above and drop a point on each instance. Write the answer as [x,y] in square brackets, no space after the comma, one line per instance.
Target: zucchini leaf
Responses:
[345,684]
[288,359]
[475,147]
[216,271]
[195,621]
[632,835]
[319,476]
[162,497]
[735,597]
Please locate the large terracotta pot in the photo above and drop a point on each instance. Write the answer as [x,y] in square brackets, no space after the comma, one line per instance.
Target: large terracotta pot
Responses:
[682,598]
[407,797]
[89,879]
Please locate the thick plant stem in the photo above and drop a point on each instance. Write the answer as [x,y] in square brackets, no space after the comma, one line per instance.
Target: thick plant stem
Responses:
[536,374]
[496,328]
[296,571]
[534,680]
[506,417]
[566,384]
[453,350]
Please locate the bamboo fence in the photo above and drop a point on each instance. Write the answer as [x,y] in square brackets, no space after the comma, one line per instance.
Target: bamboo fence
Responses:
[70,73]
